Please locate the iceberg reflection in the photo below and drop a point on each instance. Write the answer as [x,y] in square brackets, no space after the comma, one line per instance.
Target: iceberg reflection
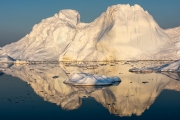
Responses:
[135,93]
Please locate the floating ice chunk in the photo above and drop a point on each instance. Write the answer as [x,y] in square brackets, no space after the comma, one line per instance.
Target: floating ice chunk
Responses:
[90,79]
[174,66]
[141,70]
[169,67]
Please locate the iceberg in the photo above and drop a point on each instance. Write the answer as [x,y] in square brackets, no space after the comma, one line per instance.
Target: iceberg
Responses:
[122,32]
[90,79]
[4,58]
[173,32]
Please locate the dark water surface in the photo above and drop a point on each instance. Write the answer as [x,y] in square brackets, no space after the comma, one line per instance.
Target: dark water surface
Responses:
[32,92]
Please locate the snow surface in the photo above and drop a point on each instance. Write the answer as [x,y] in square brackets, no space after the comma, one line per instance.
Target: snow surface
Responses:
[4,57]
[122,32]
[173,32]
[90,79]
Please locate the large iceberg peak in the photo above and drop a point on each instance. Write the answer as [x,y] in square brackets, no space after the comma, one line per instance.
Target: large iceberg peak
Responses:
[122,32]
[124,8]
[71,16]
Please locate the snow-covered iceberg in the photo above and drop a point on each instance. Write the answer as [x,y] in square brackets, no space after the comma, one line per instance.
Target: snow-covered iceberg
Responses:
[90,79]
[122,32]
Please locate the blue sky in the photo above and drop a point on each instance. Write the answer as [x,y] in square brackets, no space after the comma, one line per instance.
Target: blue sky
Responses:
[17,17]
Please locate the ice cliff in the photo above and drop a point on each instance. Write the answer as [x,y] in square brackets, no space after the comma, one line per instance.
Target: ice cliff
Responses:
[122,32]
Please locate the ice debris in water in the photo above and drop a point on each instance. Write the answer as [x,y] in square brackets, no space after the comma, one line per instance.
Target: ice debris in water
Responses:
[169,67]
[91,79]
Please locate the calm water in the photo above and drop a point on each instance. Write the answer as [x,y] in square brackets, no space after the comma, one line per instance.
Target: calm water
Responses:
[32,92]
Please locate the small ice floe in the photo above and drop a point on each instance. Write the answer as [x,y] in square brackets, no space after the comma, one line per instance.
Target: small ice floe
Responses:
[171,67]
[141,70]
[91,79]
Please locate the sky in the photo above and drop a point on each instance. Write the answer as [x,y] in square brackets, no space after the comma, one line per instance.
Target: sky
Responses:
[17,17]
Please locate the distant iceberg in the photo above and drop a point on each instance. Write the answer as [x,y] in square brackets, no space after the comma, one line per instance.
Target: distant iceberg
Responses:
[90,79]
